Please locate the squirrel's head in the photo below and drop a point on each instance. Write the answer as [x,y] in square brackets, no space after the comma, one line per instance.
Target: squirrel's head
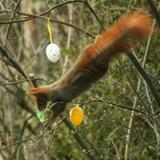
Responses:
[43,101]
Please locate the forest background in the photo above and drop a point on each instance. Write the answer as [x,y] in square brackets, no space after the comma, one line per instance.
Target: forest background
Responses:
[121,110]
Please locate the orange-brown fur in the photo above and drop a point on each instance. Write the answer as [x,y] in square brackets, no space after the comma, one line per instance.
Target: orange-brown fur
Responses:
[138,26]
[93,63]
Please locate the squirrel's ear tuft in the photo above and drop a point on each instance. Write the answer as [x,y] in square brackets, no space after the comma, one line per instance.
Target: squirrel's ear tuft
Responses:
[41,97]
[38,90]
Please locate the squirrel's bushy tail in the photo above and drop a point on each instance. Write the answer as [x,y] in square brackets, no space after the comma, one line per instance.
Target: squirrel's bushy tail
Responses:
[120,37]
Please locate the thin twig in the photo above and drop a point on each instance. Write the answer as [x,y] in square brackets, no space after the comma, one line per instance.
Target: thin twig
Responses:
[75,1]
[145,77]
[33,16]
[116,150]
[79,140]
[137,94]
[52,138]
[94,13]
[16,143]
[155,11]
[143,74]
[9,26]
[32,138]
[21,81]
[116,106]
[60,5]
[15,64]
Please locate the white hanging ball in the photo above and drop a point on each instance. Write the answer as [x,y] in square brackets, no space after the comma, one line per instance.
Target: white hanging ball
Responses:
[53,52]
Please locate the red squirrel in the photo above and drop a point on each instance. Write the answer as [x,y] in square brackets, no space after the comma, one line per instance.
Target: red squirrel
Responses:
[93,62]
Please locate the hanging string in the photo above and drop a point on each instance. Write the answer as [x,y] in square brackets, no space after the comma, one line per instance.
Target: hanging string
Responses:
[49,30]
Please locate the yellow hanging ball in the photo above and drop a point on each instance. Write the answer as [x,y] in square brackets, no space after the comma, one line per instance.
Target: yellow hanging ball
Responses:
[76,115]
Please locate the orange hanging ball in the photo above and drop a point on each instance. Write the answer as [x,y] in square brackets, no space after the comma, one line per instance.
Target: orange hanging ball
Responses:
[76,115]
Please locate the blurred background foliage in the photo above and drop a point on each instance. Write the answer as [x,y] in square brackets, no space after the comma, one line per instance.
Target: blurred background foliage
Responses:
[109,132]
